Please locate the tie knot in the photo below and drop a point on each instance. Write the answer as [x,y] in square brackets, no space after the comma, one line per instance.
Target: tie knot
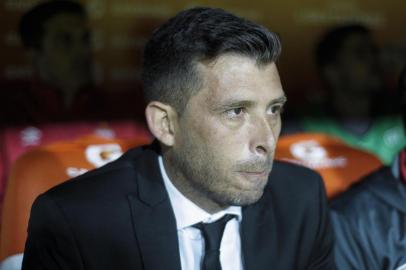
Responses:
[213,232]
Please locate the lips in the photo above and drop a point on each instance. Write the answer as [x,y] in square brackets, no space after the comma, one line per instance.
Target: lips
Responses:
[255,170]
[257,173]
[255,176]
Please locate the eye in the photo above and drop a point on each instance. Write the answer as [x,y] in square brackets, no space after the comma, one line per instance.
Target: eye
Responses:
[276,109]
[235,112]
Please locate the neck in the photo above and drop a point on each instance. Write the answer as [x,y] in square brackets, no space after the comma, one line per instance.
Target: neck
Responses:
[347,106]
[67,88]
[68,95]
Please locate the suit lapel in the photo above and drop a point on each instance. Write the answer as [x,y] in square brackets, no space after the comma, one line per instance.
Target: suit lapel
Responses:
[153,219]
[258,239]
[155,225]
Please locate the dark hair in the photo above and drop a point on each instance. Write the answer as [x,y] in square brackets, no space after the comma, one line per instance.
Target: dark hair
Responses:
[331,43]
[31,27]
[199,34]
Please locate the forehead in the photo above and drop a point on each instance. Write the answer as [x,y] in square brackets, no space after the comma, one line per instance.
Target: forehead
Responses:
[239,77]
[65,22]
[357,42]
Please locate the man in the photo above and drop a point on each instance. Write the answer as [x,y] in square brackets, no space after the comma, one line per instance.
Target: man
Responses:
[203,196]
[355,102]
[369,219]
[57,38]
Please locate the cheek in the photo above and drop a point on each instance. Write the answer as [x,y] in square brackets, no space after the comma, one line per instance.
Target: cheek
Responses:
[224,139]
[205,130]
[57,57]
[210,145]
[57,65]
[209,136]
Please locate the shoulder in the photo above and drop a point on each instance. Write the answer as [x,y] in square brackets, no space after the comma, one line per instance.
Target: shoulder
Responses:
[369,209]
[362,218]
[295,190]
[116,178]
[363,195]
[289,168]
[297,200]
[85,202]
[293,178]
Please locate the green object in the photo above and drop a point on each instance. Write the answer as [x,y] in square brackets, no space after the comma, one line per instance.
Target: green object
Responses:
[385,138]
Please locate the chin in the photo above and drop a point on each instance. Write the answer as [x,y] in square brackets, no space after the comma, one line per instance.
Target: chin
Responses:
[245,198]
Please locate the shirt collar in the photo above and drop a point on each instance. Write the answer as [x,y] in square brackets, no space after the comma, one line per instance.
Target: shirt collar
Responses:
[188,213]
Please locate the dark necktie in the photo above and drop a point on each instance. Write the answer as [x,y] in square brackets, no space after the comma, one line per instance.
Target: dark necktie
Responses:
[212,234]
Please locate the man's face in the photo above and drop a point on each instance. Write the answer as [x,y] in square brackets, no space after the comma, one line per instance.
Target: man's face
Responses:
[64,58]
[226,137]
[358,65]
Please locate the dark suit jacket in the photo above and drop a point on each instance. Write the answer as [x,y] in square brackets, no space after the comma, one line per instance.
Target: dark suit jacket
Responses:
[369,221]
[120,217]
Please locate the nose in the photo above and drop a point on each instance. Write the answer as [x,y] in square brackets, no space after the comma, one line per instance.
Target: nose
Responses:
[80,45]
[264,135]
[83,47]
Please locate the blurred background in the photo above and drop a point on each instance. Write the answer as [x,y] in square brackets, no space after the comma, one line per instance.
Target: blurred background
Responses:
[120,28]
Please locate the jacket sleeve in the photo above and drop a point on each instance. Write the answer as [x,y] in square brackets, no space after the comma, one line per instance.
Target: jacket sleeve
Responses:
[357,245]
[50,244]
[322,257]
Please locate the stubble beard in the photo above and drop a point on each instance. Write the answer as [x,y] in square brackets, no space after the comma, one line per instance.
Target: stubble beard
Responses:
[202,175]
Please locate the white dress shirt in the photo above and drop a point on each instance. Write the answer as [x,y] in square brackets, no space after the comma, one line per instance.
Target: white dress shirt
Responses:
[13,262]
[191,242]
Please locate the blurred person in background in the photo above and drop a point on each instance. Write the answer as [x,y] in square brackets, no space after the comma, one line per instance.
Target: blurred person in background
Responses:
[355,106]
[61,91]
[57,36]
[370,218]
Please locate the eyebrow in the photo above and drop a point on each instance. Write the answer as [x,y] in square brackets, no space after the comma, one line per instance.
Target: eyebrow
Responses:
[282,99]
[247,103]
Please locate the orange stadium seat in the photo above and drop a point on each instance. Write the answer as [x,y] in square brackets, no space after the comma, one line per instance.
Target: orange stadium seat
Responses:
[339,164]
[44,167]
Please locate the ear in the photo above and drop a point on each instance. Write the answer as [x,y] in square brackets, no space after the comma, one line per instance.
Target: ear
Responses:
[162,121]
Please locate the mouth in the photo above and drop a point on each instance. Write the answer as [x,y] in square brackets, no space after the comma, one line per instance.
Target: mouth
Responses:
[252,181]
[255,176]
[255,173]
